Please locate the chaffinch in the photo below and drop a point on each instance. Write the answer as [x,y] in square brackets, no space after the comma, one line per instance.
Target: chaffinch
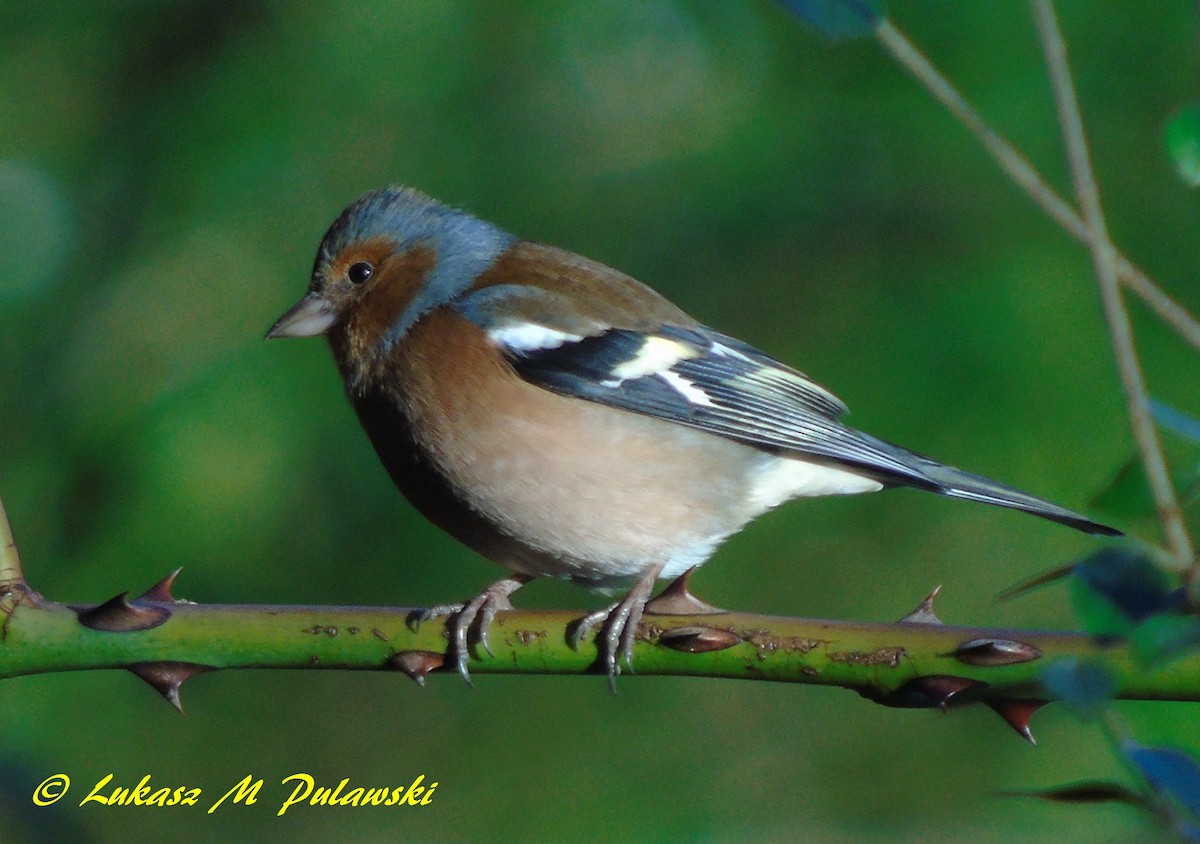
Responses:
[562,419]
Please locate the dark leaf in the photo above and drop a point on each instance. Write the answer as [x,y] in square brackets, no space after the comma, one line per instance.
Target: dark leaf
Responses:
[840,18]
[1086,687]
[1099,617]
[1170,772]
[1116,588]
[1163,637]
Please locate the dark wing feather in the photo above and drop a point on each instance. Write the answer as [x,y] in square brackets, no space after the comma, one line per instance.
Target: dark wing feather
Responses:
[743,394]
[698,377]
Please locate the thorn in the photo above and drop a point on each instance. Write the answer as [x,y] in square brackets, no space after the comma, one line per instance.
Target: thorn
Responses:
[117,615]
[993,652]
[166,677]
[1017,714]
[416,664]
[677,599]
[942,689]
[923,613]
[160,593]
[934,690]
[698,640]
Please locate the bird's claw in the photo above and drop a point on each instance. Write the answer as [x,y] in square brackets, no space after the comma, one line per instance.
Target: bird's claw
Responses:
[470,621]
[618,626]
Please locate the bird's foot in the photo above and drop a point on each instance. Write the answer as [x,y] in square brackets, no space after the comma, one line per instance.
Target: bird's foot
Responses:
[618,622]
[470,621]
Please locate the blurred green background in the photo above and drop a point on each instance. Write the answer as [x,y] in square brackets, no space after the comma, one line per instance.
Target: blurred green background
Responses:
[167,170]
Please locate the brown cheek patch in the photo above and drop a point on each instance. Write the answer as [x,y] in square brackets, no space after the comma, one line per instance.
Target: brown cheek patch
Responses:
[389,294]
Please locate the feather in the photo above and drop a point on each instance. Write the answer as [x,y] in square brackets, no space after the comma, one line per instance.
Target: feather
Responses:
[694,376]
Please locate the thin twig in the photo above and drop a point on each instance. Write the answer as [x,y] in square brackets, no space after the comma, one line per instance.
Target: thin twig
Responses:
[1022,172]
[1104,258]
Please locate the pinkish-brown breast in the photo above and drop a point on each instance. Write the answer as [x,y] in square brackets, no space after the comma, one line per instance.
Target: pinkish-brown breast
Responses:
[597,489]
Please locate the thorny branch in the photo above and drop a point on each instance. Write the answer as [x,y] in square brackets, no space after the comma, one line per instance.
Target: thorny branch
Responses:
[917,662]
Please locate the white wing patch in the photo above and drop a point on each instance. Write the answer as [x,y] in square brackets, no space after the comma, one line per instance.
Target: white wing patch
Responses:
[530,337]
[725,351]
[687,389]
[655,357]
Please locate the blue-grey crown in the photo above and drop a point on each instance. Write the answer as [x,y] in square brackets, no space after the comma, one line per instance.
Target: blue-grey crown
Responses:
[464,246]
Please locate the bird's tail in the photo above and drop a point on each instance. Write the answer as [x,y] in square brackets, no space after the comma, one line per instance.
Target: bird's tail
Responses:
[957,483]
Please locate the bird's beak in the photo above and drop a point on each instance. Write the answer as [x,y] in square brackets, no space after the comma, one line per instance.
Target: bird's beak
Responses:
[309,317]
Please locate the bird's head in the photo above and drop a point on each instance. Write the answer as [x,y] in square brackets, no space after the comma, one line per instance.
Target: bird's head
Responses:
[391,257]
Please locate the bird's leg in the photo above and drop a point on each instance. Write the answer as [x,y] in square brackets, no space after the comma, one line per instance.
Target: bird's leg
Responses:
[618,625]
[477,613]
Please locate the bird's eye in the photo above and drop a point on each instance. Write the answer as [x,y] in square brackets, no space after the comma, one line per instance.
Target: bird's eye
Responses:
[360,272]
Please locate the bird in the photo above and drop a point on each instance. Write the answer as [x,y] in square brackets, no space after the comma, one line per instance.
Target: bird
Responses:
[564,420]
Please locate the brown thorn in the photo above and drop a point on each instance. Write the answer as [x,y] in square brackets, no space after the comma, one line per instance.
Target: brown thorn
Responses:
[416,664]
[944,688]
[167,676]
[677,599]
[160,593]
[923,613]
[1017,714]
[698,640]
[117,615]
[933,690]
[993,652]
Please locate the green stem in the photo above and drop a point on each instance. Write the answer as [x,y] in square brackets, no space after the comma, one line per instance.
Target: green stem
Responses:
[885,662]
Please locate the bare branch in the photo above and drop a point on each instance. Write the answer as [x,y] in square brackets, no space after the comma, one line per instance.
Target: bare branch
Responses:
[1022,172]
[1104,258]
